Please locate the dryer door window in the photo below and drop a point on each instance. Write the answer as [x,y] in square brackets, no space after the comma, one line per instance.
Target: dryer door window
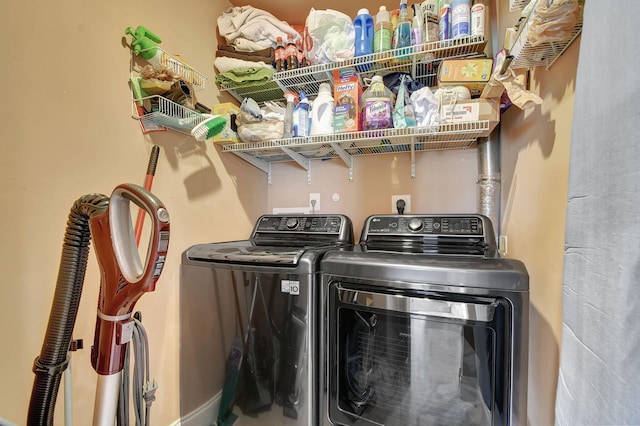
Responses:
[414,359]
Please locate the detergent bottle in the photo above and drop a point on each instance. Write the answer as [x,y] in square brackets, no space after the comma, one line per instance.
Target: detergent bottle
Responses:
[383,33]
[363,25]
[322,112]
[377,103]
[301,117]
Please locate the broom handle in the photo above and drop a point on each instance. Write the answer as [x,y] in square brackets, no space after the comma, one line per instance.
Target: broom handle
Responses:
[148,180]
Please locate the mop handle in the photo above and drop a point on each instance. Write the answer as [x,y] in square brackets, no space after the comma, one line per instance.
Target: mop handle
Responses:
[148,180]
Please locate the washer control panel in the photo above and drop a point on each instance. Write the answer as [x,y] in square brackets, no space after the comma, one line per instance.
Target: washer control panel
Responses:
[336,227]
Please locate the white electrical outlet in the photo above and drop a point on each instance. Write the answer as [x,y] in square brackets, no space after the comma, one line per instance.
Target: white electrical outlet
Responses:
[314,202]
[407,203]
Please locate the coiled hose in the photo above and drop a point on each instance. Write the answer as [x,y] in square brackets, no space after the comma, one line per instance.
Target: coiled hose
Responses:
[53,359]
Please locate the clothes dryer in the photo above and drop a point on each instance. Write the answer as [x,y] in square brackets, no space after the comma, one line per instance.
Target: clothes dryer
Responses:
[426,325]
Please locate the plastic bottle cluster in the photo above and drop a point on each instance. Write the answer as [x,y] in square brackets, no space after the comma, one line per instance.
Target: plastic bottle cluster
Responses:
[289,56]
[429,21]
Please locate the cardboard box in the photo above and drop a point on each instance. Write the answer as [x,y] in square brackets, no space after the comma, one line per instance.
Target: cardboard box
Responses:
[471,111]
[346,97]
[226,110]
[471,73]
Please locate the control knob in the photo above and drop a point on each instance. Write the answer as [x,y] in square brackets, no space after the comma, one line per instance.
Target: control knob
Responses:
[415,224]
[292,223]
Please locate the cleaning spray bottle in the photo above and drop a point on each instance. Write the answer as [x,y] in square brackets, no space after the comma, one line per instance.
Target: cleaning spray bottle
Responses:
[288,114]
[402,35]
[301,117]
[145,43]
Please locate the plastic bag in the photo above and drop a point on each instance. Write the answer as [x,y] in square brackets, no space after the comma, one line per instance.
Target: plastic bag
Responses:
[425,106]
[257,124]
[403,114]
[555,22]
[329,37]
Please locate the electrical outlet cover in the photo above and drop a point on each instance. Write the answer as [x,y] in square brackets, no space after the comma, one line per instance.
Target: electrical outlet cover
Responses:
[314,196]
[407,203]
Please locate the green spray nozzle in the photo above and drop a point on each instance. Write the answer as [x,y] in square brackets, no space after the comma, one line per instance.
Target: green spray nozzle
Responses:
[144,41]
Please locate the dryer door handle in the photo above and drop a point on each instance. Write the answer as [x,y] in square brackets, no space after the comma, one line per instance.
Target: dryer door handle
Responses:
[477,311]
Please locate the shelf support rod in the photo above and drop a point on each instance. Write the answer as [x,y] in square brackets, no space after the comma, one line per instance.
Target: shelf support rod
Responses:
[413,157]
[344,155]
[261,164]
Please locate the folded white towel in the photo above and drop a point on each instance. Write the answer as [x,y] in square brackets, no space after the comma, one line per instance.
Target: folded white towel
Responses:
[246,27]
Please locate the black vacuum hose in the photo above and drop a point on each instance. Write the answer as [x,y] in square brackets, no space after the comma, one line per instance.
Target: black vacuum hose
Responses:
[53,359]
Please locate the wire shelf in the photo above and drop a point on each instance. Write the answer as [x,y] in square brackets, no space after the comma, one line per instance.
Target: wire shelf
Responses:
[526,55]
[161,111]
[518,4]
[422,63]
[181,69]
[370,142]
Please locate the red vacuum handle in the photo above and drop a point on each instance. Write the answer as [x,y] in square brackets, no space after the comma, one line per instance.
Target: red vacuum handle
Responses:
[148,181]
[124,278]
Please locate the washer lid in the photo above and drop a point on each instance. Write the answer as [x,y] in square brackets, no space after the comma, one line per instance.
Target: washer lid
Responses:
[246,252]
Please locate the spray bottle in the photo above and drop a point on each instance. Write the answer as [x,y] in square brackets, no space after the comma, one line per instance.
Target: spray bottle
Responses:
[288,115]
[301,117]
[145,43]
[402,36]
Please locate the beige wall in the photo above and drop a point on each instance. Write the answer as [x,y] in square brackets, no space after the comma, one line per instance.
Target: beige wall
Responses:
[535,152]
[445,182]
[535,160]
[66,132]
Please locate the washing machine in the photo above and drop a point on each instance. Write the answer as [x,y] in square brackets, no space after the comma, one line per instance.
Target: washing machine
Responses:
[426,325]
[249,322]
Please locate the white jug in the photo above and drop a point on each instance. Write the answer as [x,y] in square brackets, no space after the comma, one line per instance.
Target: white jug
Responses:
[322,112]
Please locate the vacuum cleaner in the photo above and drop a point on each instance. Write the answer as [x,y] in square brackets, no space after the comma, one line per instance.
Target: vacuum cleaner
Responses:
[123,280]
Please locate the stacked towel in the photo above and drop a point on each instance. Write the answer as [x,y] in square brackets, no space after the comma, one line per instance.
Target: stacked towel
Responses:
[265,55]
[248,29]
[236,72]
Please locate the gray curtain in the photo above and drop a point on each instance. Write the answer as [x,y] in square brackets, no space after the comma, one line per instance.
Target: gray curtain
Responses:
[599,380]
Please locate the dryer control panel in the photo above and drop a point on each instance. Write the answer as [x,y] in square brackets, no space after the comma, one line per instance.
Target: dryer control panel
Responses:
[414,224]
[429,229]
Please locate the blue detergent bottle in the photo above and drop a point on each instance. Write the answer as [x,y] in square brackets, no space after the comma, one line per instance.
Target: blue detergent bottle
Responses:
[363,25]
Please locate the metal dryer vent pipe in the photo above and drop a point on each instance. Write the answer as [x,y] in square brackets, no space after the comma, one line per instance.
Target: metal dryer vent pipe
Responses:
[489,178]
